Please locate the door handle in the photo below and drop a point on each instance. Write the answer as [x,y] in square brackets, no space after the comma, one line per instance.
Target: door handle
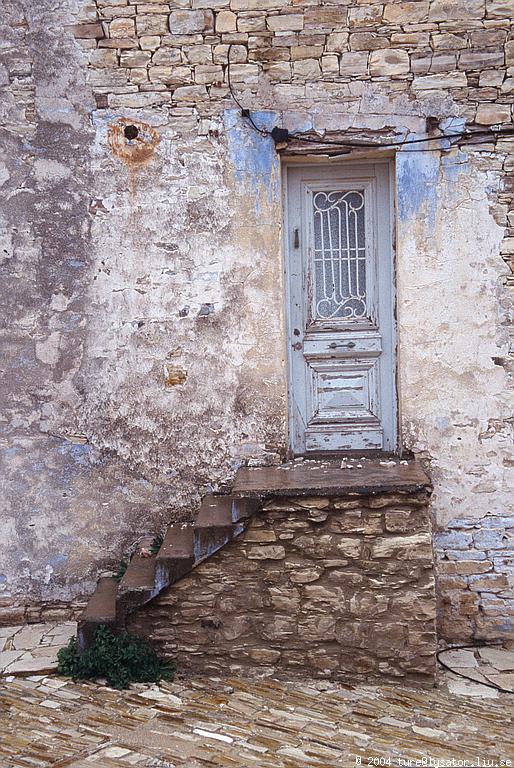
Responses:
[296,239]
[349,344]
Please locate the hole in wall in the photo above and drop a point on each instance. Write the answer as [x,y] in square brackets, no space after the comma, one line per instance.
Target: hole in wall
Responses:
[131,132]
[121,137]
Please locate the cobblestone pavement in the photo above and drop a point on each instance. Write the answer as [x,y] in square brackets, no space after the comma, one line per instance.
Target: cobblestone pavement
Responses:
[33,647]
[50,721]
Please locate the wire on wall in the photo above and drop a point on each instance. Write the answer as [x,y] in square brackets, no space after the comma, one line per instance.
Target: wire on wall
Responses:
[457,138]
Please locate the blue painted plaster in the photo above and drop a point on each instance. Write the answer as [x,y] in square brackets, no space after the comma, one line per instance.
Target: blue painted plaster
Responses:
[417,182]
[57,560]
[253,155]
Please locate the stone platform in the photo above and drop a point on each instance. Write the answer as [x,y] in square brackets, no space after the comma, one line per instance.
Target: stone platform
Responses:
[337,585]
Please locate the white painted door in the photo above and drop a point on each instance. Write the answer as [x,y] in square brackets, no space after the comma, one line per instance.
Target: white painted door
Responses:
[340,282]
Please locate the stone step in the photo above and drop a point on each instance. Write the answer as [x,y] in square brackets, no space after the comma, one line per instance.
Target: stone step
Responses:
[176,555]
[213,525]
[244,508]
[138,583]
[101,609]
[220,518]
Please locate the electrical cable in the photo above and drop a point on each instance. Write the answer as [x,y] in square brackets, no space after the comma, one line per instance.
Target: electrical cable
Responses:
[282,134]
[466,677]
[245,112]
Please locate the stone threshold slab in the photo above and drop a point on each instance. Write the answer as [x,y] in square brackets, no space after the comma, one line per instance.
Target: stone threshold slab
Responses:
[331,477]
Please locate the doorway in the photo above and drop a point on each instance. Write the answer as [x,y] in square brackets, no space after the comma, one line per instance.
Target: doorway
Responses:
[340,306]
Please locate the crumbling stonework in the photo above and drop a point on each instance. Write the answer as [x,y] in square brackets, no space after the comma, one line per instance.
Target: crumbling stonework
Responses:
[144,304]
[319,587]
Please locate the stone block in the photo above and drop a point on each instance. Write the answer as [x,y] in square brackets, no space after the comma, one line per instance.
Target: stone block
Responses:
[491,539]
[411,547]
[469,60]
[123,43]
[491,78]
[448,10]
[149,42]
[406,13]
[278,629]
[208,74]
[257,5]
[337,42]
[166,57]
[306,575]
[107,78]
[326,594]
[272,552]
[226,21]
[251,23]
[312,52]
[103,57]
[365,16]
[353,64]
[244,73]
[317,628]
[135,58]
[493,114]
[264,655]
[448,41]
[171,76]
[397,520]
[500,9]
[203,54]
[440,82]
[151,24]
[329,68]
[92,31]
[410,39]
[187,22]
[367,41]
[280,72]
[138,100]
[503,521]
[488,582]
[122,27]
[291,22]
[453,540]
[325,19]
[389,62]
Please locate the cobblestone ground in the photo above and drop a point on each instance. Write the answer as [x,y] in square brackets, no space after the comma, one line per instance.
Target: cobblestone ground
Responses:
[50,721]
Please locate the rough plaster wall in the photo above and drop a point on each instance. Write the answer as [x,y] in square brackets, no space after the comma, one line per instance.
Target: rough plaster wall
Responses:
[145,320]
[449,278]
[183,285]
[456,399]
[119,278]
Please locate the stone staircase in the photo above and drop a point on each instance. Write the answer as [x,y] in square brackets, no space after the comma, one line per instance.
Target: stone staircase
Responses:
[219,520]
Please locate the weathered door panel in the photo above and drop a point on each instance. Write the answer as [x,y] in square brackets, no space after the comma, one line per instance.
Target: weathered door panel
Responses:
[340,290]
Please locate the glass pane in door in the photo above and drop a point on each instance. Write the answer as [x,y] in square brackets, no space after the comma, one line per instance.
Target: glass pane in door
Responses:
[339,255]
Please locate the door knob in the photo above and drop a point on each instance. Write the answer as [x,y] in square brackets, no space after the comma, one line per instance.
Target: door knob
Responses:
[333,345]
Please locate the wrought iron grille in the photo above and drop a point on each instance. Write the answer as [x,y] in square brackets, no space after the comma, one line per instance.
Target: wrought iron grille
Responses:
[339,255]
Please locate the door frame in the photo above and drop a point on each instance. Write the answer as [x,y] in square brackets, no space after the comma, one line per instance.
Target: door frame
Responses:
[310,161]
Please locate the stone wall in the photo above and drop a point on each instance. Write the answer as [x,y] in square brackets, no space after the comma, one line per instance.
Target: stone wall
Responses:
[144,303]
[319,587]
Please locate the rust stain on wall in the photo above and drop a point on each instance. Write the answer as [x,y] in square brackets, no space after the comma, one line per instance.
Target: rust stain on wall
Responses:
[132,141]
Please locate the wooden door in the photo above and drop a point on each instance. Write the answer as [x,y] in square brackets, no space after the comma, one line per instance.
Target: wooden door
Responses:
[340,282]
